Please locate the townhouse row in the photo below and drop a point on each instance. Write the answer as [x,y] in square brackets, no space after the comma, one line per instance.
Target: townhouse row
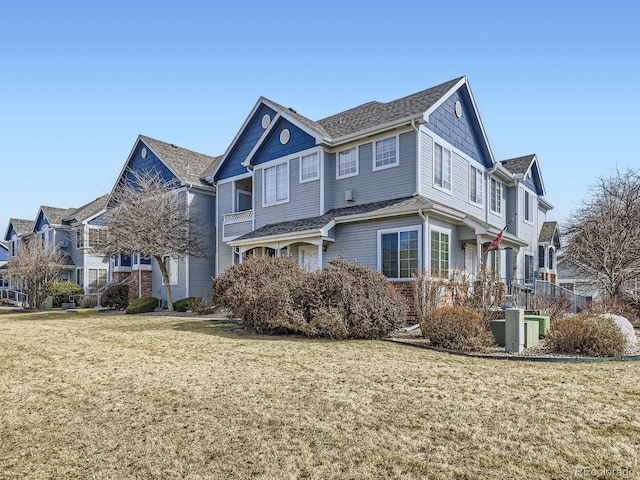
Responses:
[399,186]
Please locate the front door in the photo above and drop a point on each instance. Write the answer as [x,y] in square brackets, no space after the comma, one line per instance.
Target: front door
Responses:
[471,260]
[308,257]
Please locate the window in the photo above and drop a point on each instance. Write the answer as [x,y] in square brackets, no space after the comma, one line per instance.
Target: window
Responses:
[442,167]
[80,277]
[97,237]
[79,238]
[439,252]
[276,184]
[528,207]
[97,278]
[309,168]
[550,258]
[493,261]
[347,163]
[528,268]
[496,196]
[541,256]
[475,185]
[12,248]
[399,252]
[171,264]
[386,154]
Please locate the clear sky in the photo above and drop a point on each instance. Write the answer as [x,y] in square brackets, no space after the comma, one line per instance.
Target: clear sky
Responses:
[80,80]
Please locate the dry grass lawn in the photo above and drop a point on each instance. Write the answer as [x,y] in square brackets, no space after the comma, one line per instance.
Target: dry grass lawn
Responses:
[117,397]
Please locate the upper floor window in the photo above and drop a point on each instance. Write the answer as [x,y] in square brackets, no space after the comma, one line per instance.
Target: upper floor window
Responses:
[309,168]
[399,252]
[442,167]
[276,184]
[79,238]
[541,256]
[528,207]
[439,252]
[475,185]
[496,196]
[347,163]
[97,237]
[13,251]
[386,153]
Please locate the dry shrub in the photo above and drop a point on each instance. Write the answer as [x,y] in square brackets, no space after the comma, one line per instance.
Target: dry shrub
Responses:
[275,296]
[555,308]
[586,334]
[456,328]
[627,308]
[116,296]
[89,301]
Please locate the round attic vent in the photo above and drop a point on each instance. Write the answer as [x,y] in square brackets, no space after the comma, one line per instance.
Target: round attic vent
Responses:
[458,109]
[285,135]
[143,154]
[266,120]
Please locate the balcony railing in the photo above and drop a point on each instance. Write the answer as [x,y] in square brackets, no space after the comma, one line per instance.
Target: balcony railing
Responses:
[238,217]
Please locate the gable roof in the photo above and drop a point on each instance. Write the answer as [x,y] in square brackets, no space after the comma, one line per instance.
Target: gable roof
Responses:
[55,215]
[4,245]
[188,165]
[88,210]
[20,226]
[549,234]
[375,113]
[519,165]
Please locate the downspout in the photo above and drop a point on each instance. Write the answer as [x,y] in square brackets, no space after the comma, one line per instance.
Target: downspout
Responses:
[418,156]
[425,238]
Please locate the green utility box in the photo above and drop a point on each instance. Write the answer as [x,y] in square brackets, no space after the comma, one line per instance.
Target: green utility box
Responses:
[48,303]
[544,323]
[530,333]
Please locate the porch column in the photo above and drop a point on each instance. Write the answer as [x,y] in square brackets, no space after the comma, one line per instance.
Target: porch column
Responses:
[479,252]
[320,246]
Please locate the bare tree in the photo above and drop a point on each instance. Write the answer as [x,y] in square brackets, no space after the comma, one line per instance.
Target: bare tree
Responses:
[36,265]
[150,216]
[602,237]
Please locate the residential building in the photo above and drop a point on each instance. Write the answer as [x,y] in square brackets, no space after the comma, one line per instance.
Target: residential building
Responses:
[190,276]
[399,186]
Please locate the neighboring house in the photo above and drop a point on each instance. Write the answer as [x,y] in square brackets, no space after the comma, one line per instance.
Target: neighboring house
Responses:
[91,269]
[4,257]
[50,231]
[192,275]
[17,231]
[399,186]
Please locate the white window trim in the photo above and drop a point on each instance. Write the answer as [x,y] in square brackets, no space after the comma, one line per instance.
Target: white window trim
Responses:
[482,189]
[384,231]
[357,172]
[531,220]
[391,165]
[264,181]
[310,179]
[447,231]
[433,167]
[490,199]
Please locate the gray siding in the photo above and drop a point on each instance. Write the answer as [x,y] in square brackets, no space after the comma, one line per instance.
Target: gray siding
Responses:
[372,186]
[304,198]
[202,269]
[224,197]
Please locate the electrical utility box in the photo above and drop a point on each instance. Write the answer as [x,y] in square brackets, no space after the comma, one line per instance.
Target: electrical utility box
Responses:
[514,330]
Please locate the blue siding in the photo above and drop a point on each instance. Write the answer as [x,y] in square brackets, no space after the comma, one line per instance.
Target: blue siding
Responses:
[272,148]
[10,233]
[533,182]
[464,133]
[150,163]
[232,165]
[41,222]
[4,254]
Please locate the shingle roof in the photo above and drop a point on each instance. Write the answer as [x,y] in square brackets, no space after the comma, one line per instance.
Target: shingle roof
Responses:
[88,210]
[22,226]
[518,165]
[372,114]
[316,223]
[4,244]
[55,215]
[549,233]
[189,165]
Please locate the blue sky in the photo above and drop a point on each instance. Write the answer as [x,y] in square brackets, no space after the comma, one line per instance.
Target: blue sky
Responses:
[79,81]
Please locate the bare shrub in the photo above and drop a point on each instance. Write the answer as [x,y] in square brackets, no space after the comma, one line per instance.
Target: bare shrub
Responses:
[88,301]
[586,334]
[456,328]
[555,308]
[275,296]
[116,296]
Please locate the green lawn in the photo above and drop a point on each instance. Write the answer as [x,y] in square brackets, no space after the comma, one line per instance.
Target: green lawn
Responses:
[116,397]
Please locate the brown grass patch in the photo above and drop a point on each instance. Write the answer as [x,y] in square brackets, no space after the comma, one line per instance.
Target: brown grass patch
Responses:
[102,397]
